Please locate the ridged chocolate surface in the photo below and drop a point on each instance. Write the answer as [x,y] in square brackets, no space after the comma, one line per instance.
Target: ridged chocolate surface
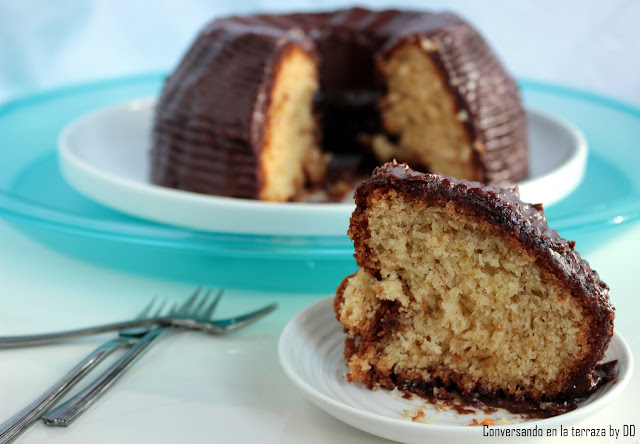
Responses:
[207,135]
[526,223]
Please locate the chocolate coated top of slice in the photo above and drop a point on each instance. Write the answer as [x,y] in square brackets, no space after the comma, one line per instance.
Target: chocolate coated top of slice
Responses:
[521,221]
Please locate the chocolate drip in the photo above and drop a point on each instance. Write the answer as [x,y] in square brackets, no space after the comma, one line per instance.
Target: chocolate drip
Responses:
[434,391]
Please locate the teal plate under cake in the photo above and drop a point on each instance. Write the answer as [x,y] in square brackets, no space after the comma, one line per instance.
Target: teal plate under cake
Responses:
[36,199]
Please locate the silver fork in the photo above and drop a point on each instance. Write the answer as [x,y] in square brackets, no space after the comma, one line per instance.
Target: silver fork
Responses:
[69,411]
[15,425]
[213,327]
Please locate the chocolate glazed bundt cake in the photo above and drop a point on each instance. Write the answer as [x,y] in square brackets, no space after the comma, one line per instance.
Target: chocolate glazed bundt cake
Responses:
[463,286]
[260,106]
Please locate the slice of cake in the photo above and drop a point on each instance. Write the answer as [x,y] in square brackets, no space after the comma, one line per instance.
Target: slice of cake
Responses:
[464,286]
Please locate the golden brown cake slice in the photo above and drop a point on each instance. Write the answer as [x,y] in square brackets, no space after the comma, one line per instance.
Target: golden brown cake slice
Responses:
[463,286]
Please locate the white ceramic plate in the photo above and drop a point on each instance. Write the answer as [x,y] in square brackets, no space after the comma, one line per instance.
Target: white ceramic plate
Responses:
[310,352]
[104,156]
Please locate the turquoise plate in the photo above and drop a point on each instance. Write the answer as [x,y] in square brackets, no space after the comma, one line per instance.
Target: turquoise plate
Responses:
[35,198]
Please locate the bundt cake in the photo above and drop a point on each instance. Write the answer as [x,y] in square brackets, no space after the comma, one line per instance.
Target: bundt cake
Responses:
[462,286]
[262,105]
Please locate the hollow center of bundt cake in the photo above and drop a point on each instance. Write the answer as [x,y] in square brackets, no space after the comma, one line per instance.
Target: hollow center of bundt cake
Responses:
[417,122]
[420,110]
[291,155]
[461,303]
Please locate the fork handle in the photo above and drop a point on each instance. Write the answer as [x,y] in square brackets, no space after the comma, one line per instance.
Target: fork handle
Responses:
[13,427]
[48,338]
[66,413]
[217,326]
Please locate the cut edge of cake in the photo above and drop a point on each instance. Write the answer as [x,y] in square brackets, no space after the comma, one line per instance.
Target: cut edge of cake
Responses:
[291,156]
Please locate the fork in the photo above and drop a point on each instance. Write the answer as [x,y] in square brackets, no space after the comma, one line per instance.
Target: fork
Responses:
[213,327]
[14,426]
[66,413]
[19,422]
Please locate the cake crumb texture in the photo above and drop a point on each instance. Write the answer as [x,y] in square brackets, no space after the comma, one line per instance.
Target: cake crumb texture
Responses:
[291,157]
[446,296]
[422,113]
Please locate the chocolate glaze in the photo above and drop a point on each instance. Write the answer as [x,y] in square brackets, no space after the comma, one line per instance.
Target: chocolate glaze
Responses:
[207,133]
[522,222]
[570,400]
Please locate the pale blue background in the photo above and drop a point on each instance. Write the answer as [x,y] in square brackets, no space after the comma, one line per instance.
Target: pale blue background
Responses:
[588,44]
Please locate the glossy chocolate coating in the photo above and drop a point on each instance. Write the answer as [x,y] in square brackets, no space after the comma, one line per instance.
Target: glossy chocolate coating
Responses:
[525,223]
[207,134]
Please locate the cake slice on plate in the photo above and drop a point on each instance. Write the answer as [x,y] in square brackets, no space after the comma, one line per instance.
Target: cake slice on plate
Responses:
[464,286]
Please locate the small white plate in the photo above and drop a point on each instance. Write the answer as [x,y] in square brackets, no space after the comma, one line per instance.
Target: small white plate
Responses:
[104,155]
[311,353]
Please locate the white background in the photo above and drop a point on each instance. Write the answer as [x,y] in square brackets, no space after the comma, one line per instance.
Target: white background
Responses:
[587,44]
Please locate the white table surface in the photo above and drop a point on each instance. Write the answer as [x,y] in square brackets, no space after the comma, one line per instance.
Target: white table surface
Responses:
[196,388]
